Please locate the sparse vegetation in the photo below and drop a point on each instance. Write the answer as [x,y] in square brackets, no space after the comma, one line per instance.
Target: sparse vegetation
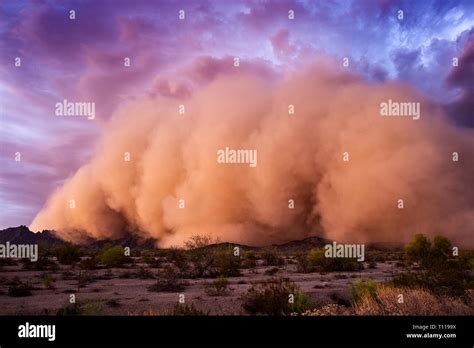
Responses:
[168,282]
[426,271]
[185,310]
[144,273]
[219,287]
[87,307]
[276,297]
[19,289]
[47,280]
[389,300]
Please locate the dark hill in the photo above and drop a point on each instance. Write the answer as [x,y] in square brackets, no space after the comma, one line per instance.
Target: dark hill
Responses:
[22,235]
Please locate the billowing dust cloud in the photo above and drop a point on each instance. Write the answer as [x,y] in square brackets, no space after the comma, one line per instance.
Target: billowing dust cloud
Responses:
[173,157]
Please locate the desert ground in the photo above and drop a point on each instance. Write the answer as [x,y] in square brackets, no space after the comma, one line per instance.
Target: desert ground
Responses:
[211,280]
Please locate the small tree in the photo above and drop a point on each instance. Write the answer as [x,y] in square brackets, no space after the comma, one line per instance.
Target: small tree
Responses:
[442,248]
[419,250]
[202,257]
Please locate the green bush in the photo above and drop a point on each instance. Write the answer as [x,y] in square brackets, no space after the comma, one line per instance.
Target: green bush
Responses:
[112,256]
[227,264]
[316,260]
[68,253]
[273,298]
[442,273]
[271,258]
[361,287]
[302,263]
[219,287]
[419,250]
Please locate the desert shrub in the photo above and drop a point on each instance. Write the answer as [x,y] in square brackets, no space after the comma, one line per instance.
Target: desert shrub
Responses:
[361,288]
[315,260]
[7,262]
[20,289]
[126,275]
[43,263]
[185,310]
[328,310]
[84,278]
[144,273]
[418,250]
[151,259]
[386,301]
[372,265]
[87,307]
[68,253]
[440,272]
[272,271]
[452,282]
[68,275]
[249,259]
[271,258]
[167,282]
[69,310]
[465,261]
[201,256]
[89,263]
[112,256]
[47,280]
[219,287]
[92,308]
[376,256]
[427,254]
[227,264]
[339,299]
[179,258]
[273,298]
[302,263]
[112,303]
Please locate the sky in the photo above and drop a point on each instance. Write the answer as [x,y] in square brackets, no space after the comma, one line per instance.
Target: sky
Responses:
[83,59]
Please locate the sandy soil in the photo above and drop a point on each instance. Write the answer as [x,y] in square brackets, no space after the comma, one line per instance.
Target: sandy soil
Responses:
[115,295]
